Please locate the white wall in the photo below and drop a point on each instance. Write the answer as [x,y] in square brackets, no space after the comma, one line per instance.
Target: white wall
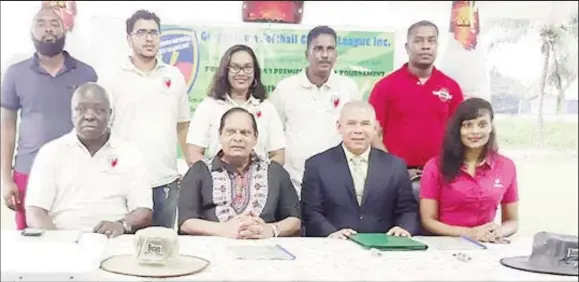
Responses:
[16,16]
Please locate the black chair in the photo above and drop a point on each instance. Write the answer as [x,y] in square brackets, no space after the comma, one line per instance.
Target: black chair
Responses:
[415,182]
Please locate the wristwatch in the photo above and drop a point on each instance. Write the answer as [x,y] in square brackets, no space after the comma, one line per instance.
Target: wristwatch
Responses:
[126,226]
[275,229]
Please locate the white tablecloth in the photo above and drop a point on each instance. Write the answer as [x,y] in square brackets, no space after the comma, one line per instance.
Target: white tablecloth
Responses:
[55,256]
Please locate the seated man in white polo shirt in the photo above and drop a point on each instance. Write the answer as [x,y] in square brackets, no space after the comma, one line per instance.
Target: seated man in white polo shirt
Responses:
[309,103]
[89,180]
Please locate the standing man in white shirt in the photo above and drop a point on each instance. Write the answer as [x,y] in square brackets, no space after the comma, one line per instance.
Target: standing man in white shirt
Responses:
[151,110]
[310,102]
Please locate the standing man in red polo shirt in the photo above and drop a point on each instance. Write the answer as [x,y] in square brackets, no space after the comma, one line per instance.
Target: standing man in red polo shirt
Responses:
[414,102]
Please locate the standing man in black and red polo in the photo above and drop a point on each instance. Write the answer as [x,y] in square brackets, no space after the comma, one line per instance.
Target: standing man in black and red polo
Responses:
[414,102]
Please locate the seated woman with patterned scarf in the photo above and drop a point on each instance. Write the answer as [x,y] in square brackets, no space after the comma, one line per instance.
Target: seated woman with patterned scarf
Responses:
[238,193]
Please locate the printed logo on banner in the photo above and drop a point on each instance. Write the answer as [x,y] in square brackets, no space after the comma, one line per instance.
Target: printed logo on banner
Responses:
[180,48]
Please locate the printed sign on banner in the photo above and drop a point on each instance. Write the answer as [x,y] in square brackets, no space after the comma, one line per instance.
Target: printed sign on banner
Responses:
[196,50]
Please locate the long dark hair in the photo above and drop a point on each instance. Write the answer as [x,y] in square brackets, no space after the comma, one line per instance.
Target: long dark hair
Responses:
[221,86]
[452,149]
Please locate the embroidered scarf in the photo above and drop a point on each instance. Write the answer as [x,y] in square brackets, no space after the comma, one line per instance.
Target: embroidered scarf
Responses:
[255,193]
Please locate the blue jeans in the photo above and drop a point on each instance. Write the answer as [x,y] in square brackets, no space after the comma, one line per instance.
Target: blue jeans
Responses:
[165,199]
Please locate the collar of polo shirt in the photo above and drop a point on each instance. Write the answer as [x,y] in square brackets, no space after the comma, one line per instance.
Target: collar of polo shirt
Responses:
[69,62]
[412,75]
[72,140]
[306,83]
[129,66]
[251,101]
[489,161]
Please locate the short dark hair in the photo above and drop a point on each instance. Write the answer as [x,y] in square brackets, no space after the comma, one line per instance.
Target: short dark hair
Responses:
[141,15]
[319,30]
[221,86]
[95,88]
[237,110]
[420,24]
[452,149]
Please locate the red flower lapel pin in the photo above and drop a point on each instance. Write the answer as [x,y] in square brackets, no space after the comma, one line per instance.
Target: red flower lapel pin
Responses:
[114,161]
[336,101]
[167,82]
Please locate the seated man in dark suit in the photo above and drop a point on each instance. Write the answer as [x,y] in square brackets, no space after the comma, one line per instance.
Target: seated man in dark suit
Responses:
[355,188]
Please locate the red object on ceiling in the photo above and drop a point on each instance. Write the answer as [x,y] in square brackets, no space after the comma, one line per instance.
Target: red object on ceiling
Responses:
[464,23]
[66,10]
[273,11]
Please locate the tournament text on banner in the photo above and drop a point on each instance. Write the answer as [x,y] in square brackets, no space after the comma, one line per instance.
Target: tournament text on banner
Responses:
[364,56]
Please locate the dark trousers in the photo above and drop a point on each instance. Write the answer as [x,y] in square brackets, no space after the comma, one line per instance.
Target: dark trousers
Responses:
[165,199]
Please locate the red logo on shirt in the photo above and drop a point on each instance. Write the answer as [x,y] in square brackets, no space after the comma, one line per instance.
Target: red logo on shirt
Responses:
[168,82]
[336,101]
[258,114]
[114,162]
[442,94]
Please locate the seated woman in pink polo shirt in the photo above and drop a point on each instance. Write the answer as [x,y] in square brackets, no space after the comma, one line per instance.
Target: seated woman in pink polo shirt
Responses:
[461,189]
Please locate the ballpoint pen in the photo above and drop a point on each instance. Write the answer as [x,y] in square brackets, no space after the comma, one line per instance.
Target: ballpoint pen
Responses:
[291,256]
[477,243]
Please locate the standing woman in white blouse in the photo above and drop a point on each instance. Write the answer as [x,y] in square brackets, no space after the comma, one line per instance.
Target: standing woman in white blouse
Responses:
[237,83]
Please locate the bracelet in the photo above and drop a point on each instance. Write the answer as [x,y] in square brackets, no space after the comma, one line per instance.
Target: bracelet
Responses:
[275,229]
[126,226]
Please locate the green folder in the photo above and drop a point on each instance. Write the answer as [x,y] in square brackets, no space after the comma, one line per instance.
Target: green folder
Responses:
[385,242]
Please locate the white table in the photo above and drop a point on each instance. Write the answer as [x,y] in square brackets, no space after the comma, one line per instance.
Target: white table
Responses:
[55,255]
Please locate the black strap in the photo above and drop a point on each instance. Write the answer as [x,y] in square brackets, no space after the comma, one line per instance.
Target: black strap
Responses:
[415,167]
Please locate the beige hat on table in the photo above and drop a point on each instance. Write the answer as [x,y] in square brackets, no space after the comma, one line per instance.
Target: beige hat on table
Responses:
[156,255]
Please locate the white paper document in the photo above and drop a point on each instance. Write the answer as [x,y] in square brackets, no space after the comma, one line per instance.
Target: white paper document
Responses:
[442,243]
[267,252]
[54,255]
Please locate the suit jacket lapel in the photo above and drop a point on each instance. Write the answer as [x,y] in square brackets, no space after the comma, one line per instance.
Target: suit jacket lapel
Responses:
[343,174]
[373,173]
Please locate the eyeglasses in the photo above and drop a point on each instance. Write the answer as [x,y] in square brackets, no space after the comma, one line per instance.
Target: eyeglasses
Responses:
[237,69]
[144,32]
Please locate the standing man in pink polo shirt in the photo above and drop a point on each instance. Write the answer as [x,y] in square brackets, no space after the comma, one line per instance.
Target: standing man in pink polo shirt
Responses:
[461,190]
[414,102]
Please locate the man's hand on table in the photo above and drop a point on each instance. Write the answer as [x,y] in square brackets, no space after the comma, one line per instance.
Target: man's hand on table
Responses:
[343,234]
[255,228]
[110,228]
[398,232]
[231,228]
[246,226]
